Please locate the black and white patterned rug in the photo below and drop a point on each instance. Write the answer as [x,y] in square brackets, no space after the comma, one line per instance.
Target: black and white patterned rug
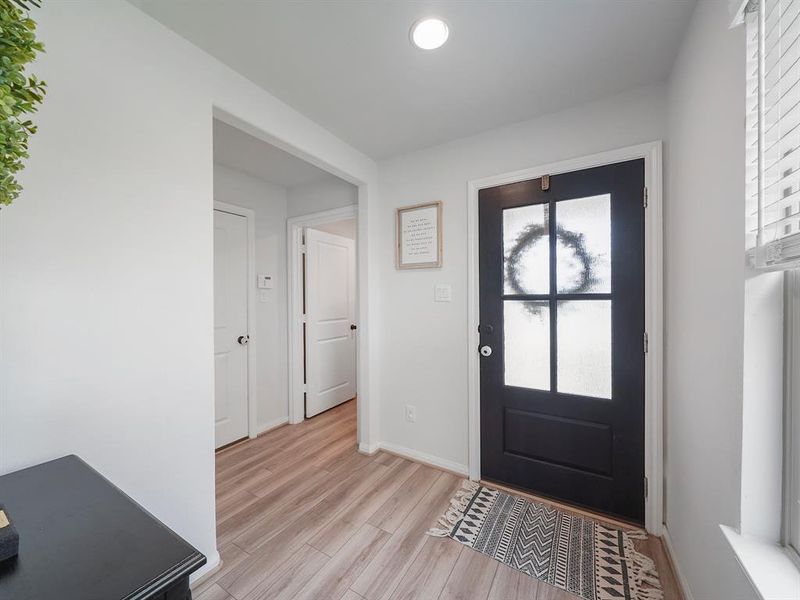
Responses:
[570,552]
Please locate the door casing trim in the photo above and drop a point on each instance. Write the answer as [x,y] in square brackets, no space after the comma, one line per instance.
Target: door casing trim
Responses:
[250,215]
[654,309]
[294,237]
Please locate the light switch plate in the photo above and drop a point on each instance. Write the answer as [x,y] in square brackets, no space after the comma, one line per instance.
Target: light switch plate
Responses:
[442,292]
[265,282]
[263,295]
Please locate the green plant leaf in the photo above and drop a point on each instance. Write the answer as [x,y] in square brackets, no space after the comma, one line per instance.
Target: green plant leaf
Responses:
[20,95]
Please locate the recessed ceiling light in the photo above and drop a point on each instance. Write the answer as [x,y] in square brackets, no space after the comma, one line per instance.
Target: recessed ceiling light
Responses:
[429,34]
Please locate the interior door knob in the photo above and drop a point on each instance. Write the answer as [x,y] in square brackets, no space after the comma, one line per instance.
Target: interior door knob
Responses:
[243,339]
[353,327]
[486,350]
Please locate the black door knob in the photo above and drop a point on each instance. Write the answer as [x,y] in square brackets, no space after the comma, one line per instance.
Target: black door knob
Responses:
[353,326]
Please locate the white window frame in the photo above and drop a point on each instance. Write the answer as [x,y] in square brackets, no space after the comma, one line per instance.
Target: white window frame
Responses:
[791,509]
[767,549]
[751,14]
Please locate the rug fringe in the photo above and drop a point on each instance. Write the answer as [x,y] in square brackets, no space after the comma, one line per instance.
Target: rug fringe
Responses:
[455,512]
[646,583]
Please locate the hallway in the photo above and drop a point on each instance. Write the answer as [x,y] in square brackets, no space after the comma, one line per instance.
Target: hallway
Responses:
[302,514]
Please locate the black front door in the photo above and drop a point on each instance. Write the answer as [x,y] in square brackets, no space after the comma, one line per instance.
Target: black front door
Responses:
[562,337]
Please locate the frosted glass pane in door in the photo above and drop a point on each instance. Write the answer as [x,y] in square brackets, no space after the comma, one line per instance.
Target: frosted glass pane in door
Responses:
[526,250]
[526,341]
[584,347]
[583,248]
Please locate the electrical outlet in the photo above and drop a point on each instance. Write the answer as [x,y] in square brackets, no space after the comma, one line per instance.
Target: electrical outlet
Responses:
[411,413]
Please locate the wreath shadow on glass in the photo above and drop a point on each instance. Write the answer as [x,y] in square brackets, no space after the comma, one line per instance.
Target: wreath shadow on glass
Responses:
[571,240]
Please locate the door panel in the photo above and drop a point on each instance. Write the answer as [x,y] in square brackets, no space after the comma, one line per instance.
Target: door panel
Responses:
[562,307]
[553,439]
[330,312]
[230,322]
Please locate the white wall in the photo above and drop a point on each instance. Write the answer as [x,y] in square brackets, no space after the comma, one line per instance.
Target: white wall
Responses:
[106,260]
[424,354]
[317,196]
[704,282]
[347,228]
[269,203]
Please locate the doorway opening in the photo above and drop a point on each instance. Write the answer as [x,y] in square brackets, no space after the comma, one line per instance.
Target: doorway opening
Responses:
[329,314]
[562,323]
[261,193]
[585,412]
[323,302]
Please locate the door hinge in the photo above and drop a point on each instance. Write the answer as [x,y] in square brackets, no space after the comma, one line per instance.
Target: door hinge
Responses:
[302,247]
[646,197]
[646,488]
[304,319]
[646,343]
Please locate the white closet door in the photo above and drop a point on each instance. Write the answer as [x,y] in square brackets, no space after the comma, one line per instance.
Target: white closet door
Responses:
[230,327]
[330,312]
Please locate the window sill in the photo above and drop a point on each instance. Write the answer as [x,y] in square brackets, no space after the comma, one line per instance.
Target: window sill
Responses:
[769,567]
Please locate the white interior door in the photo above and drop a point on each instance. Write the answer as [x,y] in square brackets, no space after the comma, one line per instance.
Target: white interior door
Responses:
[230,327]
[330,311]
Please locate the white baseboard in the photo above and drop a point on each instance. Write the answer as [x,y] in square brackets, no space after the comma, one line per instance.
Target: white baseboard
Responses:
[428,459]
[274,424]
[684,585]
[213,564]
[368,449]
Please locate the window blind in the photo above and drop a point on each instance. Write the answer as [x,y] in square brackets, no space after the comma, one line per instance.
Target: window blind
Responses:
[773,132]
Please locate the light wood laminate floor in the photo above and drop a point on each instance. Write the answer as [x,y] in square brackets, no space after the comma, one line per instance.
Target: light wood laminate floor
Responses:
[302,515]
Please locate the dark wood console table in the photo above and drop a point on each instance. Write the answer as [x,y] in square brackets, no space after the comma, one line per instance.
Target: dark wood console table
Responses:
[81,538]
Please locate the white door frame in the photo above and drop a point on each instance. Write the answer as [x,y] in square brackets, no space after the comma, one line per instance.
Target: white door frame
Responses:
[654,309]
[250,215]
[294,251]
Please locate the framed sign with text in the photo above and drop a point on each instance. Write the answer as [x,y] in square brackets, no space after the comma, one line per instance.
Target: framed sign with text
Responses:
[419,236]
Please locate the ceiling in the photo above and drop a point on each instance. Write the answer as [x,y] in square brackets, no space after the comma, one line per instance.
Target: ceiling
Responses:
[241,151]
[350,67]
